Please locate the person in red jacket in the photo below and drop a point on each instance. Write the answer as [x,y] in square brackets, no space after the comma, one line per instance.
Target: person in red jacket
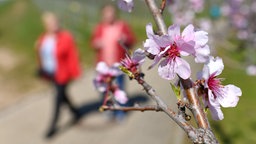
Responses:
[58,62]
[106,39]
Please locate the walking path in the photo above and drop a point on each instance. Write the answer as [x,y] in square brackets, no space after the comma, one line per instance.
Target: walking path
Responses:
[26,121]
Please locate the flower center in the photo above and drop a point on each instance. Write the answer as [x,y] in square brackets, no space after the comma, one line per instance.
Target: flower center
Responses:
[173,52]
[133,67]
[214,84]
[129,64]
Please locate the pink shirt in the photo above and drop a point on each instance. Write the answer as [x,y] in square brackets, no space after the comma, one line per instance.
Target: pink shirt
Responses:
[110,38]
[105,40]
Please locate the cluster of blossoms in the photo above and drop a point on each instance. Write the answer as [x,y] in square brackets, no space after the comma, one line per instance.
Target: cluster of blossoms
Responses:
[241,14]
[169,49]
[104,82]
[242,17]
[184,12]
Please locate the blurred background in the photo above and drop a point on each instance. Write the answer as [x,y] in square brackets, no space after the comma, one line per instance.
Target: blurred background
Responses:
[25,101]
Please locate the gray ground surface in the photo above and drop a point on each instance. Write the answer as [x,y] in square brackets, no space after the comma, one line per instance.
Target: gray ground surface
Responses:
[26,121]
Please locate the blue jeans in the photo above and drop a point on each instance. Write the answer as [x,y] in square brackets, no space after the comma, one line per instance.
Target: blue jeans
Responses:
[120,81]
[119,115]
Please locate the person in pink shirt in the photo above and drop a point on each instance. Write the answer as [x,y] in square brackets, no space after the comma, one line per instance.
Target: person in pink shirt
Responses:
[106,39]
[108,34]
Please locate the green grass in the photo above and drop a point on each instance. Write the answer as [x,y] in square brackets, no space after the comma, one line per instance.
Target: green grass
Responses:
[19,28]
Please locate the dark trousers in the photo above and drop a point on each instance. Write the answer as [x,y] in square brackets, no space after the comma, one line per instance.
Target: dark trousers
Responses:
[61,98]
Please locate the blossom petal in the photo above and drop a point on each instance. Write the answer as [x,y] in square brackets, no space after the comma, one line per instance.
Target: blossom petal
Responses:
[100,86]
[205,74]
[202,54]
[186,48]
[188,33]
[216,113]
[214,107]
[102,68]
[151,47]
[166,69]
[138,56]
[120,96]
[212,100]
[182,68]
[114,70]
[230,96]
[201,37]
[162,41]
[215,65]
[149,30]
[174,31]
[156,61]
[126,5]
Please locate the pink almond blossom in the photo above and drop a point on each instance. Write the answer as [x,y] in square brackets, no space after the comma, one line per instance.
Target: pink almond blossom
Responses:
[174,45]
[132,63]
[104,75]
[126,5]
[104,81]
[217,95]
[120,96]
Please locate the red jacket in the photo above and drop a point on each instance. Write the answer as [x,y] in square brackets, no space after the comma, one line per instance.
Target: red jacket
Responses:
[126,31]
[68,67]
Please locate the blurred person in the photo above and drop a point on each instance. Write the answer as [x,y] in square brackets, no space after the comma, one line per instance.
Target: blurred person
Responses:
[106,40]
[58,63]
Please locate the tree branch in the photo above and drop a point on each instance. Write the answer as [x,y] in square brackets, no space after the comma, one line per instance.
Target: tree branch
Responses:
[195,105]
[156,12]
[207,136]
[134,108]
[163,4]
[178,118]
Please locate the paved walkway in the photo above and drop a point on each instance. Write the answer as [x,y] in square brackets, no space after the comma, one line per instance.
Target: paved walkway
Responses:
[26,121]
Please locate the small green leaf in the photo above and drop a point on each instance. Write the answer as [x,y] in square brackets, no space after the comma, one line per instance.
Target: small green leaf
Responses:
[126,71]
[176,90]
[206,109]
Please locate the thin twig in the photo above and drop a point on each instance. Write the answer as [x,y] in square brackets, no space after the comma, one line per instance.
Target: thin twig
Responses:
[134,108]
[157,16]
[163,4]
[195,104]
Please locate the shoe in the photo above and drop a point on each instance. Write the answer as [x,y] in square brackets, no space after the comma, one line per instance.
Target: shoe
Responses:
[51,133]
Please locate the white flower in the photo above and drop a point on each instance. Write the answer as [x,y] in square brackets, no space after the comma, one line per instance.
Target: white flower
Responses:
[217,95]
[120,96]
